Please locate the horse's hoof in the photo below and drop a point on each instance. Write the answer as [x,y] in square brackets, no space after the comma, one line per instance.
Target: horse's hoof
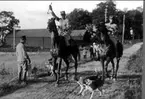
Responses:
[56,85]
[114,79]
[111,78]
[66,78]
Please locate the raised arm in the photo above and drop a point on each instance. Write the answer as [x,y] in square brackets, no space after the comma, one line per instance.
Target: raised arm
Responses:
[53,14]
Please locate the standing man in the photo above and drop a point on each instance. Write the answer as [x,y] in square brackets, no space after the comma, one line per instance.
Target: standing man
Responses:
[23,60]
[91,52]
[131,33]
[63,25]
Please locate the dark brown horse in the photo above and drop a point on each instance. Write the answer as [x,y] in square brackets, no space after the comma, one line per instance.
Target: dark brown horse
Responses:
[112,49]
[63,51]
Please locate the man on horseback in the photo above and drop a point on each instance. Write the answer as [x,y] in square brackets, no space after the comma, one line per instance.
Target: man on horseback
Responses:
[111,26]
[63,25]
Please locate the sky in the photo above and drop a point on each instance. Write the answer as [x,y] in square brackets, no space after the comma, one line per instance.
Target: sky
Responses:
[33,14]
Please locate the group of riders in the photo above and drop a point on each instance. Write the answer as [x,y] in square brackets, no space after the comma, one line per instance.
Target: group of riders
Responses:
[63,28]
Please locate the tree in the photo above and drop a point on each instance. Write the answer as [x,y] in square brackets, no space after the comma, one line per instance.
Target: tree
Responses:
[78,18]
[134,19]
[7,22]
[98,14]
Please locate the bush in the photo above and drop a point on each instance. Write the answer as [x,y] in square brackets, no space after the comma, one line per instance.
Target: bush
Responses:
[134,92]
[3,70]
[136,61]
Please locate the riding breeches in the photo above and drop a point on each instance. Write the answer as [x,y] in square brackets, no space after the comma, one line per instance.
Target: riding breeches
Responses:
[22,71]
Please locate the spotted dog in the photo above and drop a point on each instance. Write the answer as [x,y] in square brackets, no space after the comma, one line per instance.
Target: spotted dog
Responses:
[91,83]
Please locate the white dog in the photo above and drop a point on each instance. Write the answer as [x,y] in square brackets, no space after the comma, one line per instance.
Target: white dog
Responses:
[49,66]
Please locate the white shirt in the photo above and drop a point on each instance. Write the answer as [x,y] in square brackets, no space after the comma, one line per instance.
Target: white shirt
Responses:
[62,25]
[20,52]
[111,27]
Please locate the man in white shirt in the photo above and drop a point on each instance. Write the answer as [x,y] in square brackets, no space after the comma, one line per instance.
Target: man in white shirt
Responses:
[63,25]
[111,26]
[22,59]
[131,33]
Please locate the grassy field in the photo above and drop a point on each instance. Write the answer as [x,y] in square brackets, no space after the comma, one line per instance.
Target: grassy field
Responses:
[8,65]
[135,64]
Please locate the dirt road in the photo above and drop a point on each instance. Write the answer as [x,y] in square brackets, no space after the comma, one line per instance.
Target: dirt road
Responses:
[44,88]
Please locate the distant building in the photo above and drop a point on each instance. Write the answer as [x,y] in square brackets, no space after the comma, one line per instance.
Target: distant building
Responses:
[40,37]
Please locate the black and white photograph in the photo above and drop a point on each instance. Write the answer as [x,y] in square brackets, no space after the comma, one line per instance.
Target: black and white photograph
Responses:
[71,49]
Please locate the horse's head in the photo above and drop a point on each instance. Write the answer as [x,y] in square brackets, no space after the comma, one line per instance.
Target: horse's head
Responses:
[102,32]
[52,26]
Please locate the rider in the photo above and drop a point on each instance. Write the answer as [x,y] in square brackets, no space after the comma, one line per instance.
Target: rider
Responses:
[63,25]
[111,26]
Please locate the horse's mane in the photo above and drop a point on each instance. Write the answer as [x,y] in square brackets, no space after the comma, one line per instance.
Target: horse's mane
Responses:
[103,29]
[52,26]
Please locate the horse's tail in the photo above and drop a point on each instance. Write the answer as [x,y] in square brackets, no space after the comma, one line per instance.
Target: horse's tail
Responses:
[79,55]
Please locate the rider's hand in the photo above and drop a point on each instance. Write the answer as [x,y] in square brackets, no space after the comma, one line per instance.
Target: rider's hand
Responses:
[50,7]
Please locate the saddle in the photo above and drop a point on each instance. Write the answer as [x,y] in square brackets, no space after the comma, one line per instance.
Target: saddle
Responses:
[102,50]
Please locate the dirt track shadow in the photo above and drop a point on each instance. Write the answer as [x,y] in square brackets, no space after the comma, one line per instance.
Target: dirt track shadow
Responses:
[6,89]
[133,76]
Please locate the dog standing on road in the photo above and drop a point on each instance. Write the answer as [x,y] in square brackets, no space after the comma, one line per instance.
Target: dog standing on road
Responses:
[50,66]
[91,83]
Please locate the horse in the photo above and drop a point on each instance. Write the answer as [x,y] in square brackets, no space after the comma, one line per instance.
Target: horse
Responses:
[112,48]
[63,51]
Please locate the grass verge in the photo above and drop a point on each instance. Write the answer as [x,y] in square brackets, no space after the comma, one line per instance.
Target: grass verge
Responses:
[133,90]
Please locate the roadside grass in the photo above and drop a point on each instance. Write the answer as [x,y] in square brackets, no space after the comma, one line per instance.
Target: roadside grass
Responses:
[3,70]
[135,62]
[134,89]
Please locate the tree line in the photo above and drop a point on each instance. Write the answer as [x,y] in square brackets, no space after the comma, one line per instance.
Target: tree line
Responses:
[79,17]
[134,18]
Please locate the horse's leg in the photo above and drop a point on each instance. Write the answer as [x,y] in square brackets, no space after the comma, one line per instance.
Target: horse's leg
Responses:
[76,65]
[58,74]
[117,67]
[102,63]
[113,66]
[106,66]
[67,67]
[54,68]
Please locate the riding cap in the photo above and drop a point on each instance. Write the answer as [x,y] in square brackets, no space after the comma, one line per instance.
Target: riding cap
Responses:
[23,37]
[62,12]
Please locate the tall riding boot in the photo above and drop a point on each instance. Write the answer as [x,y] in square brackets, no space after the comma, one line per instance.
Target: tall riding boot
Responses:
[67,42]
